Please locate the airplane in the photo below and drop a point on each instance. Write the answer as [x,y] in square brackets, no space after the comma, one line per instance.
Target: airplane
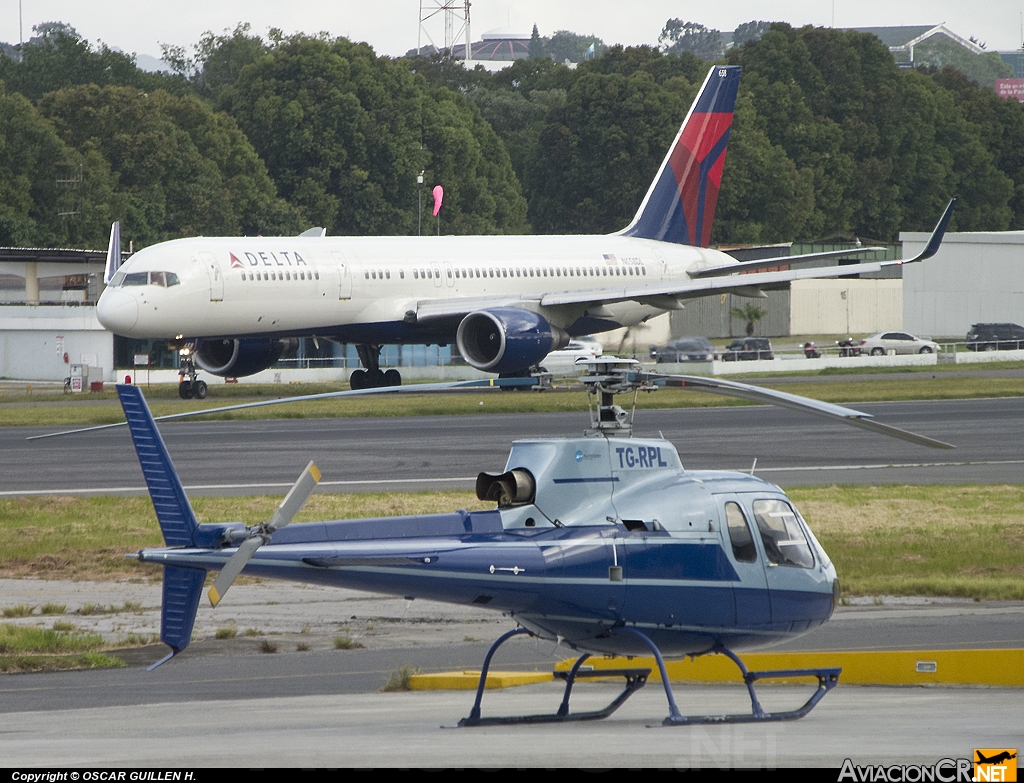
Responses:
[604,543]
[235,305]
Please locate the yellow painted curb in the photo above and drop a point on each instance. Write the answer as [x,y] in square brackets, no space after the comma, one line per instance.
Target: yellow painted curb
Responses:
[871,667]
[468,681]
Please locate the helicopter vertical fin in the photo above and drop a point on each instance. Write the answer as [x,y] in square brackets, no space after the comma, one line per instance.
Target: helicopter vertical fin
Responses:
[680,204]
[173,511]
[182,586]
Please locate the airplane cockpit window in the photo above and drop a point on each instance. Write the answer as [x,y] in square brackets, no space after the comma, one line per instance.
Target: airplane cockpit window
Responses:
[137,278]
[739,534]
[783,538]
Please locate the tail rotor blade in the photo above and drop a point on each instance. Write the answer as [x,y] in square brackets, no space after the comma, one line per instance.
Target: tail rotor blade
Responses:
[233,568]
[295,499]
[258,536]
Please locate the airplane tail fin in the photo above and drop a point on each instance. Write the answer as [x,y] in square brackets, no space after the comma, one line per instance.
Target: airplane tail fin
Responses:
[182,586]
[680,204]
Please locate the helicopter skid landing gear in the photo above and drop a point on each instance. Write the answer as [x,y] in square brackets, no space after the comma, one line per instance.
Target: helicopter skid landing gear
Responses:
[828,678]
[635,680]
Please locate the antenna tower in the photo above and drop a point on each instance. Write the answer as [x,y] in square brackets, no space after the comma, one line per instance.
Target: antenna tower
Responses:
[456,24]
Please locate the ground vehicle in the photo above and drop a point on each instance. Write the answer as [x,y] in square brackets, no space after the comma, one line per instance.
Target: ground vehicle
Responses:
[811,351]
[564,361]
[685,349]
[881,343]
[995,337]
[847,348]
[747,349]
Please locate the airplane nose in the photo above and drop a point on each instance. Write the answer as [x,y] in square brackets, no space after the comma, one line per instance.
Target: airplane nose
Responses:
[117,311]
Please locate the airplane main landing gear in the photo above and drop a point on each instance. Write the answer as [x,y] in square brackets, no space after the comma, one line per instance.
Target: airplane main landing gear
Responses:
[373,377]
[188,386]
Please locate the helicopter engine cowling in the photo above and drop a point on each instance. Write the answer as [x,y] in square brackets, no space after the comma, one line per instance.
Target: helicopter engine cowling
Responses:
[233,358]
[507,340]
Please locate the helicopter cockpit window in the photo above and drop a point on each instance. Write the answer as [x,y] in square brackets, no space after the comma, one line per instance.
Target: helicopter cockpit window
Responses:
[783,538]
[739,534]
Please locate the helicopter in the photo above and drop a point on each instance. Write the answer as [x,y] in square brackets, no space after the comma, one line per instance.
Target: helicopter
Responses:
[603,543]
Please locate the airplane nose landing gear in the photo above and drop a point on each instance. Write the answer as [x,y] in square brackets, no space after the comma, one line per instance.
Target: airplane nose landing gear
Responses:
[188,385]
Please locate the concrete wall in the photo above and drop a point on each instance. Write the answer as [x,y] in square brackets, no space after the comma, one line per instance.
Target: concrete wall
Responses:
[34,339]
[845,306]
[976,277]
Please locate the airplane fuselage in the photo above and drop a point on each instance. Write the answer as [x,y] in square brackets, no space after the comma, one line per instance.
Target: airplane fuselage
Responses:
[369,290]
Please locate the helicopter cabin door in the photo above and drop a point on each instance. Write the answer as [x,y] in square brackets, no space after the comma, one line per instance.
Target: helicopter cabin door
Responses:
[753,606]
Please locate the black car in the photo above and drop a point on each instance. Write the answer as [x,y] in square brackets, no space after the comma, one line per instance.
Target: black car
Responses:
[995,337]
[747,349]
[685,349]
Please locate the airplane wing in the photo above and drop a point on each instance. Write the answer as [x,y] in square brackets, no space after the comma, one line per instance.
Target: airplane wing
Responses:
[700,283]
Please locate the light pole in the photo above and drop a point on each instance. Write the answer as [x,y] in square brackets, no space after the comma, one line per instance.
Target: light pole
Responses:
[419,219]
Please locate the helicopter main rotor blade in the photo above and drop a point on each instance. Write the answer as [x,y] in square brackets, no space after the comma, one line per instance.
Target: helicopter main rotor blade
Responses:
[421,388]
[826,410]
[258,536]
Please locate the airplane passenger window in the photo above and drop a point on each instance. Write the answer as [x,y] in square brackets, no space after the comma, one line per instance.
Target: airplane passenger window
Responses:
[783,538]
[243,277]
[388,274]
[401,274]
[739,534]
[366,275]
[317,273]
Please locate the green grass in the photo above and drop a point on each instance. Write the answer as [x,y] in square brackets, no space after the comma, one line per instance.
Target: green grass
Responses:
[344,641]
[398,680]
[70,412]
[965,541]
[933,540]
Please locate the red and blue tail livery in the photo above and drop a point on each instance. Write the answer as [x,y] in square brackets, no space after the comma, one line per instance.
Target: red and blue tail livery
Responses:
[680,205]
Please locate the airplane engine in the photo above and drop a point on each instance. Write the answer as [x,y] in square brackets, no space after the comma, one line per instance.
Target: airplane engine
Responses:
[506,340]
[238,358]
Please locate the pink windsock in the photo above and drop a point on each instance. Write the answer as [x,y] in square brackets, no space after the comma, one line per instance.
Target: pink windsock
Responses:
[438,196]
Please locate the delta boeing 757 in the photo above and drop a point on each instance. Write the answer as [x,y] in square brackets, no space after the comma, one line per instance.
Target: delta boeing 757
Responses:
[237,303]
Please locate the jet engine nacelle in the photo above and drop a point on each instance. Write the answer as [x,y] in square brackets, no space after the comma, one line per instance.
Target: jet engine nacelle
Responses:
[507,340]
[236,358]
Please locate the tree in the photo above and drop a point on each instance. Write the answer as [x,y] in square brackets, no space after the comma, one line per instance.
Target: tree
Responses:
[678,36]
[566,45]
[32,161]
[750,31]
[983,69]
[181,168]
[59,57]
[750,313]
[344,134]
[538,46]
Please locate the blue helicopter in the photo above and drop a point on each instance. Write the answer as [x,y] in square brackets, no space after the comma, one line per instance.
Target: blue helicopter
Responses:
[604,542]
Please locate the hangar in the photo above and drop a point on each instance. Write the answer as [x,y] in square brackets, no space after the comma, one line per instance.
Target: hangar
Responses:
[48,314]
[977,277]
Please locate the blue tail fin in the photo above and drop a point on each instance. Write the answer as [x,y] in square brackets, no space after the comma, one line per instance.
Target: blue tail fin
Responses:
[173,511]
[680,205]
[182,586]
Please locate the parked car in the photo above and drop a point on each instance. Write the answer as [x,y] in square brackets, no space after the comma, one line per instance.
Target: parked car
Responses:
[995,337]
[685,349]
[563,362]
[880,343]
[746,349]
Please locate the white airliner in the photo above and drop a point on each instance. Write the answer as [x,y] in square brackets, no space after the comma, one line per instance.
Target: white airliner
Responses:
[505,301]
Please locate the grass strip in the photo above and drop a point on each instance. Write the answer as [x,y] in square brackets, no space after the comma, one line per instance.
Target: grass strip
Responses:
[71,411]
[965,541]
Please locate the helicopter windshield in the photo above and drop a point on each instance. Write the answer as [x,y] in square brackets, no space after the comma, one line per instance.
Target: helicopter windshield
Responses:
[783,537]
